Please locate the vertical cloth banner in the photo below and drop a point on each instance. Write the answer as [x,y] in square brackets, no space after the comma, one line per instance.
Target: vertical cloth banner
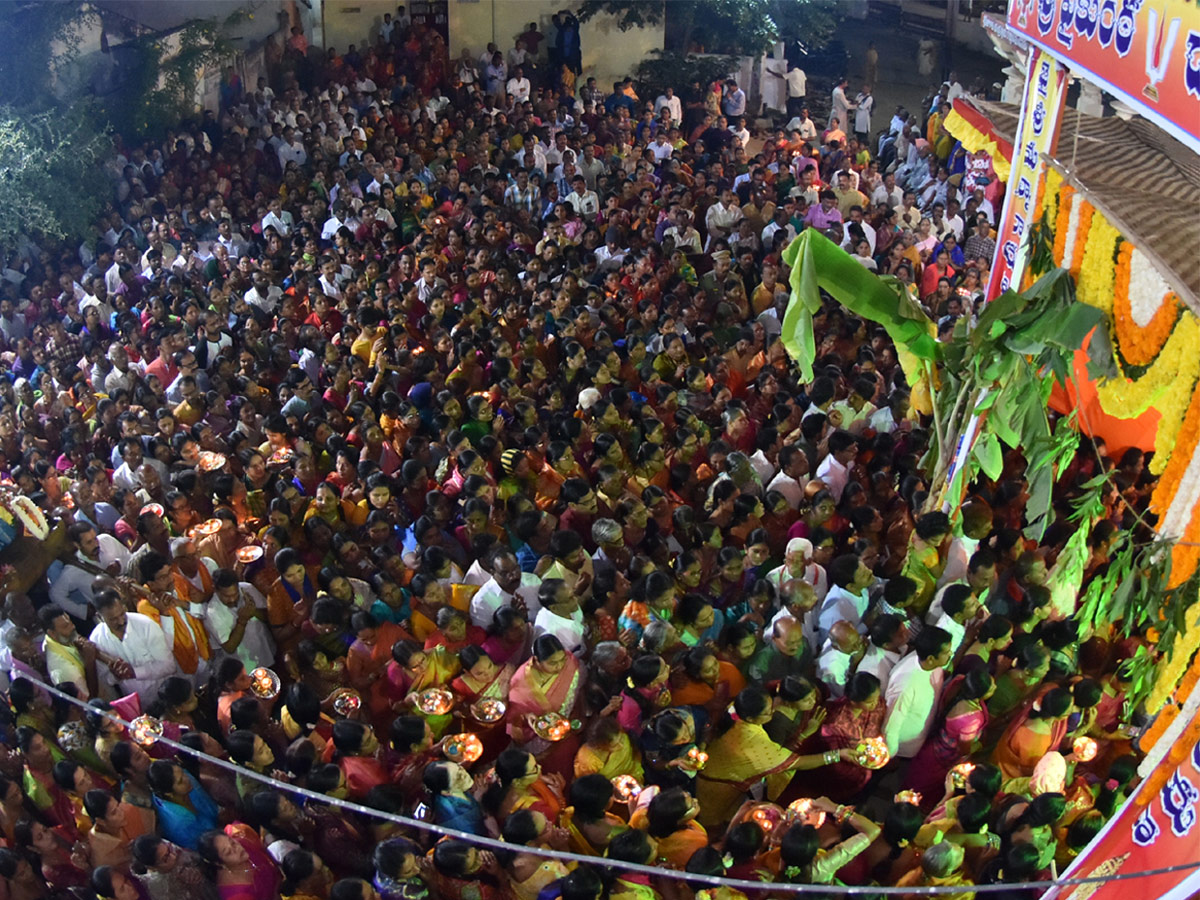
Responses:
[1037,130]
[1155,833]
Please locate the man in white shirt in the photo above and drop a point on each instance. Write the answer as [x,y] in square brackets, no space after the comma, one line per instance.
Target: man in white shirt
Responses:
[798,565]
[668,100]
[278,218]
[960,607]
[518,87]
[585,203]
[236,621]
[721,217]
[885,648]
[291,149]
[913,691]
[136,640]
[802,126]
[793,466]
[661,147]
[560,616]
[797,89]
[834,469]
[509,586]
[263,294]
[888,192]
[128,474]
[686,237]
[847,598]
[839,657]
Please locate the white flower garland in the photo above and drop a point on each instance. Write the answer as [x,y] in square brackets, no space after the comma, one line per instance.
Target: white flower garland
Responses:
[30,515]
[19,507]
[1147,289]
[1183,504]
[1072,229]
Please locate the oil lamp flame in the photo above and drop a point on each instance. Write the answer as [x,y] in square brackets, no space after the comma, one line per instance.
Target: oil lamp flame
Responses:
[264,683]
[626,787]
[1085,748]
[463,748]
[146,730]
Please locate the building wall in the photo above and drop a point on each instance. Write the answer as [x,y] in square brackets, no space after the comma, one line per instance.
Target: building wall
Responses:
[351,21]
[608,53]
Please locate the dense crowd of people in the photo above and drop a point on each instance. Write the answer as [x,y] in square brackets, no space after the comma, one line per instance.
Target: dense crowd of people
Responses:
[428,384]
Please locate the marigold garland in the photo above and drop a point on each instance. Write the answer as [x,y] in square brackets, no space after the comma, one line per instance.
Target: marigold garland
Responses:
[1082,232]
[1187,440]
[1140,345]
[1094,284]
[1173,373]
[1185,556]
[1062,222]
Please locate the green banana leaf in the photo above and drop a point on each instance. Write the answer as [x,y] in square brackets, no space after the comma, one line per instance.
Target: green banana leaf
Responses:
[817,264]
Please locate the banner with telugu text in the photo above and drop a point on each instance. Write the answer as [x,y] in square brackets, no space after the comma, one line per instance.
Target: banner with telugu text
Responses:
[1157,835]
[1144,52]
[1037,129]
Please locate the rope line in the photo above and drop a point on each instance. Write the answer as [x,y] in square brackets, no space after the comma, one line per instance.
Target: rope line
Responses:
[602,862]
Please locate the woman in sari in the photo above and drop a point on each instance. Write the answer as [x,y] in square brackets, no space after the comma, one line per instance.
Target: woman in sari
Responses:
[38,782]
[482,679]
[61,868]
[529,873]
[952,742]
[245,871]
[851,720]
[743,755]
[367,661]
[548,682]
[354,748]
[453,805]
[671,821]
[520,784]
[608,751]
[1039,728]
[414,670]
[185,810]
[589,824]
[926,557]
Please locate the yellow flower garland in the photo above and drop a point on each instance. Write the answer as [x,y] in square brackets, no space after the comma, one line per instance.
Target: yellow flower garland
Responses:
[1095,282]
[1173,373]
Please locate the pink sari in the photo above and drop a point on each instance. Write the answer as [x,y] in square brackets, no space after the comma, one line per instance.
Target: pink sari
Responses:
[941,752]
[527,696]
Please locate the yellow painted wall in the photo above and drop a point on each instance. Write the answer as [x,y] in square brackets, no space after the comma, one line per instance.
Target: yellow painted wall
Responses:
[344,27]
[608,54]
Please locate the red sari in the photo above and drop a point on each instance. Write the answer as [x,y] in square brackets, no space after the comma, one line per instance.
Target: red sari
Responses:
[842,728]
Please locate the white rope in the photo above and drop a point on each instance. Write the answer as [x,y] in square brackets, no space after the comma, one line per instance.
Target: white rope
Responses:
[622,867]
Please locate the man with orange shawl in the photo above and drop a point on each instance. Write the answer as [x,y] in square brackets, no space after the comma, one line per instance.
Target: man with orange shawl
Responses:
[185,632]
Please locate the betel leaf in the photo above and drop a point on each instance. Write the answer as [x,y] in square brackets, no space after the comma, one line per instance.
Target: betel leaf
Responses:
[987,452]
[1119,601]
[1037,509]
[1100,361]
[1006,416]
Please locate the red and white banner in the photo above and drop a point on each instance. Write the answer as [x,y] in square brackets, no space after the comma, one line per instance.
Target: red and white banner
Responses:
[1144,52]
[1037,131]
[1142,836]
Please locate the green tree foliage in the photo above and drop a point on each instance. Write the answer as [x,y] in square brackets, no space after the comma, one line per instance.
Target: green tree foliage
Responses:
[735,27]
[51,174]
[160,81]
[37,40]
[668,68]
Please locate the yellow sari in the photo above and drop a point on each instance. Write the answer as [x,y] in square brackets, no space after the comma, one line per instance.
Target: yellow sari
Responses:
[623,760]
[736,760]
